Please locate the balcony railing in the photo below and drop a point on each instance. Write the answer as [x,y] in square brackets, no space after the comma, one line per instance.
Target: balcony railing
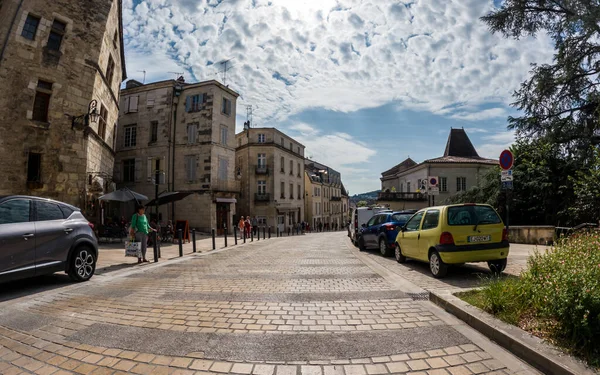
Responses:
[396,196]
[262,197]
[232,186]
[336,199]
[262,169]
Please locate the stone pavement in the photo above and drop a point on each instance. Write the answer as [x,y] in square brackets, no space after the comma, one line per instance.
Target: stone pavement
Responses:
[299,305]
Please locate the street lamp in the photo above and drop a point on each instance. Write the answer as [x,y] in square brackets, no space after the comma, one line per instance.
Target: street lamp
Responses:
[83,121]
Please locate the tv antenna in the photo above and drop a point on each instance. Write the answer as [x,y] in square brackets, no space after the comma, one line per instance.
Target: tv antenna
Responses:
[143,71]
[177,74]
[225,67]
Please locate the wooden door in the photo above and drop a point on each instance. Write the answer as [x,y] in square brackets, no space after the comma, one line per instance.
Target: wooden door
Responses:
[222,217]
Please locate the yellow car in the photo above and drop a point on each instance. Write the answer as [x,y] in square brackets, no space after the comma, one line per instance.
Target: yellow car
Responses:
[454,234]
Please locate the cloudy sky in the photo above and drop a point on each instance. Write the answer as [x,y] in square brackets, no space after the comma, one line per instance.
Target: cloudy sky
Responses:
[363,84]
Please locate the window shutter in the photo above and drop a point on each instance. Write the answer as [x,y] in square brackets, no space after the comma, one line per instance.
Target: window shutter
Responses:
[150,169]
[138,169]
[228,107]
[126,106]
[133,104]
[194,167]
[188,101]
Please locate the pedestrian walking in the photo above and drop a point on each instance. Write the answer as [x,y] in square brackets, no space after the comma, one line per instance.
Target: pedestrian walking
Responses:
[140,229]
[247,226]
[254,223]
[242,227]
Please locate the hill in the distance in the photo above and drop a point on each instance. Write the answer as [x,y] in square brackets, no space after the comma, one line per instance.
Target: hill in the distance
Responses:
[370,196]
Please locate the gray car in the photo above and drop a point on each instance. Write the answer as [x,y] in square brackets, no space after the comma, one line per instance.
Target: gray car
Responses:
[40,236]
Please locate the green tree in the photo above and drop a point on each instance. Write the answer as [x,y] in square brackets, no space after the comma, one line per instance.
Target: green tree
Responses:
[561,100]
[361,204]
[586,189]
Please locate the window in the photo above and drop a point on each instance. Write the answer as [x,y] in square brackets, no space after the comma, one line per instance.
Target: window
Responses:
[48,211]
[262,187]
[102,121]
[298,149]
[223,166]
[299,192]
[128,170]
[261,138]
[131,104]
[153,131]
[415,222]
[15,211]
[114,141]
[226,107]
[402,188]
[472,215]
[110,70]
[291,167]
[443,184]
[299,171]
[431,220]
[408,187]
[130,136]
[194,103]
[399,218]
[192,132]
[282,164]
[282,190]
[224,136]
[30,28]
[291,191]
[291,146]
[34,167]
[56,35]
[190,167]
[262,160]
[461,183]
[150,102]
[41,103]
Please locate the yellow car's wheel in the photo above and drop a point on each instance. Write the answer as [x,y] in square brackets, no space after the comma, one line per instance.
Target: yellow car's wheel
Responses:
[497,266]
[438,268]
[399,257]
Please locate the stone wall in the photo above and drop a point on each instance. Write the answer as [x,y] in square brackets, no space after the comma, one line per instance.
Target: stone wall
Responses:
[73,73]
[533,235]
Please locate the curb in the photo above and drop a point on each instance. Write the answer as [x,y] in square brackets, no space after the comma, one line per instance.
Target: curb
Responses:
[529,348]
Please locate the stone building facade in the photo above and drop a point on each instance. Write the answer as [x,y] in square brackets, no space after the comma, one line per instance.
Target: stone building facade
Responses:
[270,166]
[57,57]
[323,196]
[186,132]
[459,169]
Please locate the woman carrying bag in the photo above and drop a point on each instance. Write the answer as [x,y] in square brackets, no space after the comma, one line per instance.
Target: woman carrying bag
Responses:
[140,229]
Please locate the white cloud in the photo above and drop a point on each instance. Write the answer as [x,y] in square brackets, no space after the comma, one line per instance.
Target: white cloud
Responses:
[476,130]
[304,129]
[495,144]
[481,115]
[341,55]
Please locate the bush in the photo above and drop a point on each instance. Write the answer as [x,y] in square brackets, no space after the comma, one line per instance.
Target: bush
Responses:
[558,296]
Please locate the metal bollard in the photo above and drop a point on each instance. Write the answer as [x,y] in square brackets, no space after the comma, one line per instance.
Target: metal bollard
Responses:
[225,234]
[213,238]
[155,241]
[244,235]
[179,238]
[277,232]
[264,229]
[251,235]
[194,240]
[258,233]
[235,234]
[269,232]
[289,231]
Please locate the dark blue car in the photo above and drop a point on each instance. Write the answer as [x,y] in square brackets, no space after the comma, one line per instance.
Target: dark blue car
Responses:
[381,231]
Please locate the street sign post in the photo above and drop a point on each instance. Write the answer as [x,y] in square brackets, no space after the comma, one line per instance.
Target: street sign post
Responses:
[434,187]
[506,175]
[506,160]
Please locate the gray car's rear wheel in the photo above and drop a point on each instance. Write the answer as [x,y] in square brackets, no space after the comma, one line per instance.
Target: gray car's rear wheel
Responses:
[83,264]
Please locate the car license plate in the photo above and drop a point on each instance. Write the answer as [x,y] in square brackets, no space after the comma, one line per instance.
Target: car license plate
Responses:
[478,239]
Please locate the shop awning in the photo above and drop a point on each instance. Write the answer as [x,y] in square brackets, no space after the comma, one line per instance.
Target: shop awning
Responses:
[226,200]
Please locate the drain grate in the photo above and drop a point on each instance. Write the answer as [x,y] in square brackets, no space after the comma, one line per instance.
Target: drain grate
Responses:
[423,296]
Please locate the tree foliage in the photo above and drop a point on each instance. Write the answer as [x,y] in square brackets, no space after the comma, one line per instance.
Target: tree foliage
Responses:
[362,204]
[561,100]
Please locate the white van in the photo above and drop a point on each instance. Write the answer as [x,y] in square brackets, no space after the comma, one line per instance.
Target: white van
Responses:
[360,216]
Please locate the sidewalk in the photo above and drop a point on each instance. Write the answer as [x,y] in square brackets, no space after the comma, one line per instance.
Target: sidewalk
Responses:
[112,256]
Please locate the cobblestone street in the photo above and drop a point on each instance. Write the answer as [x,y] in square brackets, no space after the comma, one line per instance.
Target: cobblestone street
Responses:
[298,305]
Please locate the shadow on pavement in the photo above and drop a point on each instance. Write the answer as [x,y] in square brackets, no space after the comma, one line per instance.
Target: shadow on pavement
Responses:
[27,287]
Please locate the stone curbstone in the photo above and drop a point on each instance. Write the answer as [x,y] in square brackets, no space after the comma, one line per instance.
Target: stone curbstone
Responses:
[529,348]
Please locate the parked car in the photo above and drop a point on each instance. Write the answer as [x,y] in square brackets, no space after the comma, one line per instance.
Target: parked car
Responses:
[360,215]
[41,236]
[381,231]
[454,234]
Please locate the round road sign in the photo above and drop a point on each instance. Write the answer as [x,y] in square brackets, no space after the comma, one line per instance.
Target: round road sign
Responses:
[433,181]
[506,160]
